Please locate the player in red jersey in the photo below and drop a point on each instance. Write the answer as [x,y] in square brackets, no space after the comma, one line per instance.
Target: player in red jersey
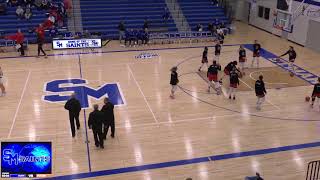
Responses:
[234,83]
[315,92]
[256,53]
[212,74]
[204,58]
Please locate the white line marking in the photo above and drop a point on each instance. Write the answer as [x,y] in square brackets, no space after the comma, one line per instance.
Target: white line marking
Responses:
[277,107]
[19,104]
[144,97]
[142,125]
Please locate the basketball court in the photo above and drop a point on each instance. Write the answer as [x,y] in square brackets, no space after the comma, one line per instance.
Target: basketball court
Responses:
[198,134]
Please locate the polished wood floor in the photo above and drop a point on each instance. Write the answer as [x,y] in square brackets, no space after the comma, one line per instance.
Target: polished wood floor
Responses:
[151,127]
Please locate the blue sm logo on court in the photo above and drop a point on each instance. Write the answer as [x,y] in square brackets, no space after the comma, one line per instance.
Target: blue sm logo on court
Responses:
[60,90]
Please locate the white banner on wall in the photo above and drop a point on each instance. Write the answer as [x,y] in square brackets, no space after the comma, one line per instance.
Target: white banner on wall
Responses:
[76,43]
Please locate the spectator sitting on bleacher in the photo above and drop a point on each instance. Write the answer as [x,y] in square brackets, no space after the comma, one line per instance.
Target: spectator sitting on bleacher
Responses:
[214,2]
[257,177]
[13,3]
[38,4]
[28,13]
[29,2]
[122,30]
[199,28]
[45,4]
[53,32]
[86,34]
[20,12]
[222,25]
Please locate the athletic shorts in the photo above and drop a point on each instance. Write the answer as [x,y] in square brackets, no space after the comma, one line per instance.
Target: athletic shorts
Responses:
[174,87]
[256,54]
[316,95]
[1,80]
[213,77]
[204,60]
[291,60]
[234,85]
[217,53]
[226,72]
[242,59]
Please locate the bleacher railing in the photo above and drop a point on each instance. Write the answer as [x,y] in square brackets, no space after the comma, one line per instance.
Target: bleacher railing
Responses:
[313,170]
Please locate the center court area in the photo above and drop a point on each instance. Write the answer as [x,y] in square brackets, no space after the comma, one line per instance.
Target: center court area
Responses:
[151,128]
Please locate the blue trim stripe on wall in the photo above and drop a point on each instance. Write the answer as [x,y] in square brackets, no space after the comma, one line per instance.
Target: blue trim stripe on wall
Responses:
[310,2]
[187,161]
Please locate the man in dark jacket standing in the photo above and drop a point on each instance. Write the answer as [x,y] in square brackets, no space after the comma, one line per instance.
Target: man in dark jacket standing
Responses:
[260,92]
[74,108]
[108,114]
[95,123]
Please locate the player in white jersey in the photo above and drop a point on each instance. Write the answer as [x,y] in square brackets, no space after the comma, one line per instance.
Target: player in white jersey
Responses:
[3,89]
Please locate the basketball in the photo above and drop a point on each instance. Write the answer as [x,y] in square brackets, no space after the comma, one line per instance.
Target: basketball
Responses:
[307,98]
[291,74]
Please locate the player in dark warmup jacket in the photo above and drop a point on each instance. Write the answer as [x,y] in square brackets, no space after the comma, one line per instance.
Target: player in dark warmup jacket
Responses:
[212,74]
[174,81]
[204,58]
[242,58]
[260,92]
[95,123]
[256,53]
[108,114]
[74,108]
[292,57]
[315,92]
[217,51]
[234,83]
[230,67]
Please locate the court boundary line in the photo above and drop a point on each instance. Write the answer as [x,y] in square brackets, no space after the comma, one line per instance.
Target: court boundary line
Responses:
[85,118]
[116,51]
[19,104]
[205,159]
[144,97]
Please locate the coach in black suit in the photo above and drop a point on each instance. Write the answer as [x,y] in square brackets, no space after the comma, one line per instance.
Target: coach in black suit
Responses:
[107,110]
[95,123]
[74,107]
